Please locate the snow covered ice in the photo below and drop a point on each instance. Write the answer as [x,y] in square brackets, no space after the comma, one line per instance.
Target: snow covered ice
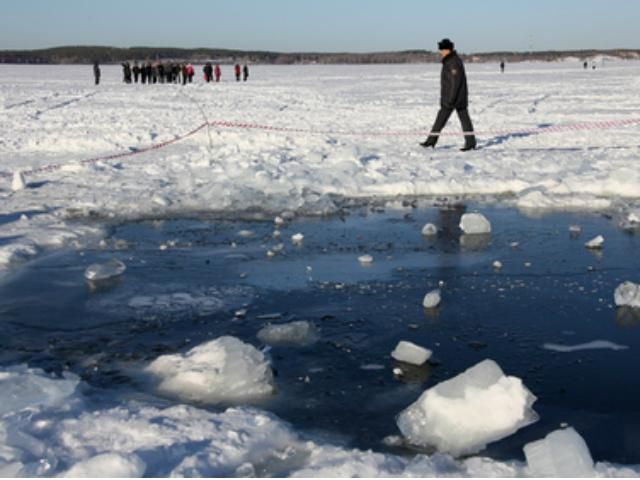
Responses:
[563,453]
[219,371]
[462,415]
[409,352]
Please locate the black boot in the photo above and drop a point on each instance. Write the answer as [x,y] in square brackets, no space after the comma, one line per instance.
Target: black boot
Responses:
[469,145]
[429,143]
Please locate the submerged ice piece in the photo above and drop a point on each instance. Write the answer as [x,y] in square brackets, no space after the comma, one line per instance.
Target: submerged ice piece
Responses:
[429,230]
[562,453]
[627,294]
[298,333]
[462,415]
[474,223]
[104,271]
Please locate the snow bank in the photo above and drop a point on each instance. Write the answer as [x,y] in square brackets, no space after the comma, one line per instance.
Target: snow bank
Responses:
[462,415]
[411,353]
[219,371]
[299,333]
[562,453]
[627,294]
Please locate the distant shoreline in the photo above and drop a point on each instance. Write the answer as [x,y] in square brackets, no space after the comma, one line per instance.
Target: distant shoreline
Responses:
[110,55]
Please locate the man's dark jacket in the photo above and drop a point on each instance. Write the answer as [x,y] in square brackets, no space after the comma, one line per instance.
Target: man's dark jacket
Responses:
[453,83]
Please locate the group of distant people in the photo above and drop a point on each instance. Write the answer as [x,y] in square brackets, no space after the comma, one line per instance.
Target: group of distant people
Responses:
[150,73]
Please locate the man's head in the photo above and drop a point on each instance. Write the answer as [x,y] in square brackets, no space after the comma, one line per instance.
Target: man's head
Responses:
[445,46]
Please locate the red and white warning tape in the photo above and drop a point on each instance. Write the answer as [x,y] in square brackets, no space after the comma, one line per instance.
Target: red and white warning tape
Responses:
[603,125]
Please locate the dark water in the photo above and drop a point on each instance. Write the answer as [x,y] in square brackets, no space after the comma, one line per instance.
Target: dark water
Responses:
[550,289]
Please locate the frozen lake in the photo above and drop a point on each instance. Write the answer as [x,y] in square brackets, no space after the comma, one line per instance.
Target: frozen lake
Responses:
[193,222]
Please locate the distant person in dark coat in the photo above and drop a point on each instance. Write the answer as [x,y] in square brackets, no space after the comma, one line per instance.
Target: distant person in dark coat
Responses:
[136,71]
[454,95]
[126,72]
[96,72]
[245,72]
[502,67]
[208,72]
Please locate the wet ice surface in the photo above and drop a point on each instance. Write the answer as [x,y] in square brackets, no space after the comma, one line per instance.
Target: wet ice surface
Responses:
[189,281]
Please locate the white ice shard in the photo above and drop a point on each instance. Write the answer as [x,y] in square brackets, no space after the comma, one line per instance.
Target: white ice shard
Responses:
[432,299]
[627,294]
[105,271]
[429,230]
[497,264]
[561,454]
[297,238]
[365,259]
[18,182]
[411,353]
[221,370]
[474,223]
[297,333]
[595,243]
[462,415]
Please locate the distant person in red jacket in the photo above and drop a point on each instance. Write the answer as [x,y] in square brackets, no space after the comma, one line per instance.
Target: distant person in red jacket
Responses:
[217,72]
[237,70]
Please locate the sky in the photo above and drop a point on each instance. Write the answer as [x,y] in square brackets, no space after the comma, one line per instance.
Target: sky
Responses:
[322,25]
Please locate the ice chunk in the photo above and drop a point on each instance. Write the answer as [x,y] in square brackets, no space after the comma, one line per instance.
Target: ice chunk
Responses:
[429,230]
[411,353]
[365,259]
[595,242]
[112,465]
[627,294]
[297,238]
[104,271]
[461,415]
[221,370]
[497,265]
[295,333]
[563,453]
[278,220]
[432,299]
[474,223]
[22,387]
[18,183]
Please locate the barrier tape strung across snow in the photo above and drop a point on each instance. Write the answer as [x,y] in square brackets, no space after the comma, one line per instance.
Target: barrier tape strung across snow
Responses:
[602,125]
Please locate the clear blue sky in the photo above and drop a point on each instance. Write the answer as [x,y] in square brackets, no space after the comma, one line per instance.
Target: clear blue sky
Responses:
[323,25]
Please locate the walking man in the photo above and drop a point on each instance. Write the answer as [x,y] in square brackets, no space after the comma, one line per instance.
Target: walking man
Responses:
[454,95]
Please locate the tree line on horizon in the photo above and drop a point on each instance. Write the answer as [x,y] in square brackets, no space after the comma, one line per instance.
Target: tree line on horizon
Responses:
[114,55]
